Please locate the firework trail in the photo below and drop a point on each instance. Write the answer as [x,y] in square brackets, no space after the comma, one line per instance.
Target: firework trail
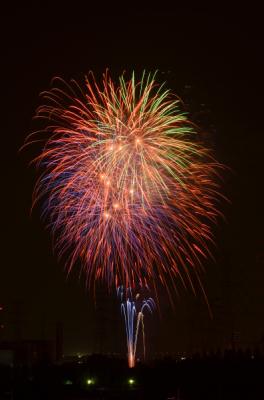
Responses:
[126,186]
[133,313]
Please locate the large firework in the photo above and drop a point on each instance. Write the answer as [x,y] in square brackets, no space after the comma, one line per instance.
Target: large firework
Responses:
[126,186]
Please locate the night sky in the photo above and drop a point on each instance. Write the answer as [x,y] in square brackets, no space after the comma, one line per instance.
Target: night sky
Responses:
[212,58]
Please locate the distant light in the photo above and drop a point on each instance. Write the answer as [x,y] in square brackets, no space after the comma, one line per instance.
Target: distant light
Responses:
[131,381]
[68,382]
[89,381]
[183,358]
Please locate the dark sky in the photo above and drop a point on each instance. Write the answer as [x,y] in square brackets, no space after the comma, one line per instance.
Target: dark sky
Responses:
[212,58]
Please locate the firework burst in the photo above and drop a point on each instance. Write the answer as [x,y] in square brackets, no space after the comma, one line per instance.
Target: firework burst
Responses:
[132,310]
[126,186]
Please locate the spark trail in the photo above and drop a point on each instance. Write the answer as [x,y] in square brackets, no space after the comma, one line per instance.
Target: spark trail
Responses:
[133,314]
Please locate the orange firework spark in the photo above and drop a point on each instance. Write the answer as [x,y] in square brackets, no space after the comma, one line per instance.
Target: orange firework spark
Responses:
[127,188]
